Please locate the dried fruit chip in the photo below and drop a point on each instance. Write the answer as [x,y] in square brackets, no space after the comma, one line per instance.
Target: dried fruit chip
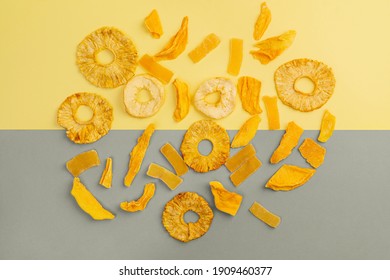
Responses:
[287,144]
[88,203]
[312,152]
[153,24]
[137,108]
[182,100]
[137,154]
[289,177]
[262,21]
[234,162]
[224,106]
[112,74]
[287,75]
[82,162]
[175,159]
[271,105]
[156,69]
[235,58]
[106,178]
[205,130]
[327,126]
[173,216]
[264,215]
[225,201]
[245,170]
[176,44]
[204,48]
[142,202]
[249,91]
[271,48]
[159,172]
[247,132]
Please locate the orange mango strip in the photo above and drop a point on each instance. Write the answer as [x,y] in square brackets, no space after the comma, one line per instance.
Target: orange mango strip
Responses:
[142,202]
[235,58]
[264,215]
[248,89]
[159,172]
[156,69]
[327,126]
[245,170]
[312,152]
[82,162]
[204,48]
[262,21]
[271,106]
[106,178]
[234,162]
[153,24]
[175,159]
[183,100]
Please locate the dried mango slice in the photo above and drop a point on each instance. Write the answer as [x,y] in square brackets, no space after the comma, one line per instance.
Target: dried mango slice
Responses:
[264,215]
[234,162]
[106,178]
[312,152]
[287,144]
[289,177]
[262,21]
[88,203]
[287,76]
[247,132]
[271,48]
[204,48]
[249,91]
[205,130]
[176,44]
[153,24]
[137,154]
[89,131]
[271,106]
[174,159]
[156,69]
[82,162]
[245,170]
[114,73]
[225,201]
[182,100]
[235,57]
[159,172]
[142,202]
[173,216]
[327,126]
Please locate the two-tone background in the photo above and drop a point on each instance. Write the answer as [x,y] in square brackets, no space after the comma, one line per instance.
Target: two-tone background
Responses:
[341,213]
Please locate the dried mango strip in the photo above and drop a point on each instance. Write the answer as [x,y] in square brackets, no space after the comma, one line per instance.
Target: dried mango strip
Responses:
[287,144]
[264,215]
[153,24]
[225,201]
[182,100]
[249,91]
[106,178]
[176,44]
[271,48]
[247,132]
[82,162]
[159,172]
[262,21]
[289,177]
[312,152]
[156,69]
[235,58]
[142,202]
[327,126]
[271,105]
[245,170]
[204,48]
[234,162]
[174,159]
[137,154]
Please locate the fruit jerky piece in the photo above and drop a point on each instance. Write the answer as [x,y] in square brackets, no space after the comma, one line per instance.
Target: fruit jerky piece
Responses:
[159,172]
[264,215]
[289,177]
[271,106]
[327,126]
[106,178]
[140,204]
[312,152]
[182,100]
[82,162]
[156,69]
[225,201]
[247,132]
[235,58]
[262,22]
[245,170]
[175,159]
[153,24]
[234,162]
[249,91]
[204,48]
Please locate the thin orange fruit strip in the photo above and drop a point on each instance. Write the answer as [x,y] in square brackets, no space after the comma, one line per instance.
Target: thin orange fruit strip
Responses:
[225,201]
[82,162]
[327,126]
[204,48]
[235,58]
[312,152]
[264,215]
[289,177]
[246,132]
[245,170]
[153,24]
[234,162]
[249,91]
[262,21]
[156,69]
[183,100]
[142,202]
[175,159]
[138,153]
[106,178]
[271,106]
[169,178]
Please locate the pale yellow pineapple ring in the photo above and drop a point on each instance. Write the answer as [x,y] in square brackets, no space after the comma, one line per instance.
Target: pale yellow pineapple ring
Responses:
[319,73]
[112,74]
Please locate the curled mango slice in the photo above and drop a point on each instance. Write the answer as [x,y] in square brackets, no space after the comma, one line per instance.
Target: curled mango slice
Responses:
[174,159]
[204,48]
[245,170]
[156,69]
[312,152]
[234,162]
[182,100]
[159,172]
[153,24]
[271,105]
[249,91]
[106,178]
[82,162]
[225,201]
[137,154]
[287,144]
[140,204]
[247,132]
[235,58]
[289,177]
[327,126]
[176,44]
[264,215]
[262,21]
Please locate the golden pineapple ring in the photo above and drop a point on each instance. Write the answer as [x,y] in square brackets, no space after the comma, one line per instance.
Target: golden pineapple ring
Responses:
[205,130]
[114,73]
[319,73]
[224,106]
[173,216]
[83,132]
[143,109]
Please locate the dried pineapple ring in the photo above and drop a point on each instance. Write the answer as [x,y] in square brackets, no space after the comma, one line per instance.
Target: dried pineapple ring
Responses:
[205,130]
[83,132]
[226,103]
[143,109]
[115,73]
[319,73]
[173,216]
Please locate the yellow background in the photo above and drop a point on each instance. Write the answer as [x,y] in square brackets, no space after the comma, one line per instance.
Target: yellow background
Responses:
[39,39]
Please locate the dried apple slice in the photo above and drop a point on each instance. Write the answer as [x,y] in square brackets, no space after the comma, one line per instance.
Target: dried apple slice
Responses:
[289,177]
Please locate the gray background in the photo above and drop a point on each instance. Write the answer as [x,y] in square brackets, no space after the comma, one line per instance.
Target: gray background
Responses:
[341,213]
